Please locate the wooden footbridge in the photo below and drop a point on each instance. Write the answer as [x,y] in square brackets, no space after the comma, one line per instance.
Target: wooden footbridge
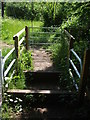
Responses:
[46,82]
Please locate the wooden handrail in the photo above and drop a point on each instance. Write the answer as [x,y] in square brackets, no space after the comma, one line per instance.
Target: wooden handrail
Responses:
[69,35]
[19,33]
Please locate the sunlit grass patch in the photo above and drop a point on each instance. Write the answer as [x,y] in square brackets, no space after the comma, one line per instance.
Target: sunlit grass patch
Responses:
[11,26]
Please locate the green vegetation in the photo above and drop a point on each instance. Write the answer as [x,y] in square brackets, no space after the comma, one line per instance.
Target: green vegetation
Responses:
[22,10]
[74,17]
[69,16]
[5,51]
[24,63]
[11,26]
[10,58]
[11,104]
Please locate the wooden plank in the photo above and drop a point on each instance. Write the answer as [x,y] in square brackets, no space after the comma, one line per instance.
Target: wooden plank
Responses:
[84,75]
[19,91]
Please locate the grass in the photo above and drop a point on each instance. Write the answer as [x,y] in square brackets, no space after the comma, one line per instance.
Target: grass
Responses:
[11,26]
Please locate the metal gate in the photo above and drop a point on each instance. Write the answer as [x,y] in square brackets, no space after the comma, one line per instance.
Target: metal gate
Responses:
[43,35]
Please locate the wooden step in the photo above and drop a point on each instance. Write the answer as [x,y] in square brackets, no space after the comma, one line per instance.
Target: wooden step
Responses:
[42,77]
[19,91]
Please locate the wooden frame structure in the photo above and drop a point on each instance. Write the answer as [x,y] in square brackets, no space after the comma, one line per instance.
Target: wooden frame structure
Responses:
[83,76]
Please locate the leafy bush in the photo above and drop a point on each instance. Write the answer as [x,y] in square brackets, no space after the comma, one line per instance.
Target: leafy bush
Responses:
[78,25]
[26,60]
[24,63]
[54,14]
[60,58]
[12,104]
[23,10]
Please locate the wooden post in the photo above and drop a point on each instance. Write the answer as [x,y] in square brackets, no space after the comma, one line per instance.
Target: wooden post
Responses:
[84,75]
[2,9]
[71,43]
[16,44]
[26,37]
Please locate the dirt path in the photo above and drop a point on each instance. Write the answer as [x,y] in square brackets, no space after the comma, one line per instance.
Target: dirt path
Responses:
[42,60]
[4,45]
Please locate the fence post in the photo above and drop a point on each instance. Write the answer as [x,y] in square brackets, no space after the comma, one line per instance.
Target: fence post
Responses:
[26,37]
[84,75]
[2,8]
[71,43]
[16,44]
